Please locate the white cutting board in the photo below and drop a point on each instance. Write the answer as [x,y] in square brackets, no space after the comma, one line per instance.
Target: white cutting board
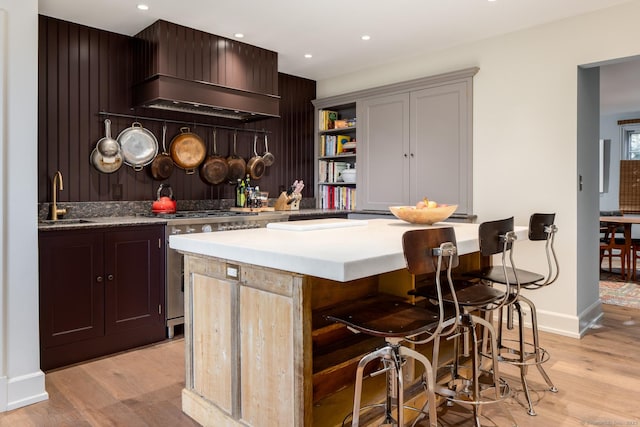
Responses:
[316,224]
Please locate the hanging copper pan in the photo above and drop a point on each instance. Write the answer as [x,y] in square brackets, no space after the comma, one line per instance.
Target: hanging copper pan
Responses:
[188,150]
[255,166]
[237,165]
[162,165]
[214,169]
[268,158]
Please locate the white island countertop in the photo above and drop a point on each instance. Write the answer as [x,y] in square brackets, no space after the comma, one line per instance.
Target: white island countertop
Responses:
[335,249]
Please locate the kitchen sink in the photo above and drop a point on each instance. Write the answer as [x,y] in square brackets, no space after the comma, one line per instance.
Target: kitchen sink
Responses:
[64,221]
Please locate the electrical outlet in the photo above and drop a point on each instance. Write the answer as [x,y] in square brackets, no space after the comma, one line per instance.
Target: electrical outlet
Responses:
[233,271]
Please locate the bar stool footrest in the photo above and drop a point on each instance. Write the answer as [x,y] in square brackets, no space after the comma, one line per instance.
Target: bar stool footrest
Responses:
[381,405]
[512,355]
[464,394]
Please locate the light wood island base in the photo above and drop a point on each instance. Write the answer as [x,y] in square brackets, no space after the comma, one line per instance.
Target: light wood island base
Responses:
[258,351]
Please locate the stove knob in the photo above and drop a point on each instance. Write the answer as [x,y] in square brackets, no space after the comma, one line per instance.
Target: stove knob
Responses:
[207,228]
[175,230]
[190,230]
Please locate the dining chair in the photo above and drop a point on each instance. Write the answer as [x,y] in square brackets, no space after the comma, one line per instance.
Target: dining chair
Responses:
[612,243]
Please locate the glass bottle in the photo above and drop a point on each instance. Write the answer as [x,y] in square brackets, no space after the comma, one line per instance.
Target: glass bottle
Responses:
[240,193]
[247,191]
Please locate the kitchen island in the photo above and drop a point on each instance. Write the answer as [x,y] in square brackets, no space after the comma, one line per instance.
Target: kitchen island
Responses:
[258,350]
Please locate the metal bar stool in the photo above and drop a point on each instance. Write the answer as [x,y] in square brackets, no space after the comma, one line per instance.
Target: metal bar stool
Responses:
[426,251]
[483,386]
[525,353]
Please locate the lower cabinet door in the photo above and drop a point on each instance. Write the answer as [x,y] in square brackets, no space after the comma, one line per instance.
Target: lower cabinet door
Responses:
[134,271]
[71,287]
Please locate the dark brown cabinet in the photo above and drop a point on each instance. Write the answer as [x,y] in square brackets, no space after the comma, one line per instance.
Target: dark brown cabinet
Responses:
[101,291]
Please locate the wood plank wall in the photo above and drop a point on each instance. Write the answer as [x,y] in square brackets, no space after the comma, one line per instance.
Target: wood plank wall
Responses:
[83,71]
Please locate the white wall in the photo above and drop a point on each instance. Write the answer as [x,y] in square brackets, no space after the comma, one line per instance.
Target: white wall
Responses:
[21,381]
[525,136]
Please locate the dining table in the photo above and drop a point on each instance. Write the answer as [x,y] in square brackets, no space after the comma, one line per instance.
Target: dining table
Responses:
[626,221]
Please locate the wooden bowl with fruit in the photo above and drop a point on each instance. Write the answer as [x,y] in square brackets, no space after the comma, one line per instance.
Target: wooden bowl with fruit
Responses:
[424,212]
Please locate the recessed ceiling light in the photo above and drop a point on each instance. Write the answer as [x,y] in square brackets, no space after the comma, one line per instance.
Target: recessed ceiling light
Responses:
[239,35]
[365,37]
[308,55]
[143,7]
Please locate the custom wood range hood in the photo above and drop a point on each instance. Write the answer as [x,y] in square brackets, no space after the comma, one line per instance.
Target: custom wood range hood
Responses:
[181,69]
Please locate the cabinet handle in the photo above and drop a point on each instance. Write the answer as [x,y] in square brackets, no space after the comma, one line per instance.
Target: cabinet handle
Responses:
[405,155]
[99,279]
[110,277]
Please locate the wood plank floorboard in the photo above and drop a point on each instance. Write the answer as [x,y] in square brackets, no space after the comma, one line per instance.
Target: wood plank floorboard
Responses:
[139,388]
[598,378]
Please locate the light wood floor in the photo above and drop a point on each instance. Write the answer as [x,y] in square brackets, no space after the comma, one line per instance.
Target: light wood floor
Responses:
[598,378]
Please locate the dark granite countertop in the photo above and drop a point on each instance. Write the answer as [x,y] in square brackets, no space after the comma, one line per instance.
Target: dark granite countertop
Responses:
[97,222]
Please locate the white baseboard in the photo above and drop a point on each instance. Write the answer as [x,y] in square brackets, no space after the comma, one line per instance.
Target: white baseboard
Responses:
[565,324]
[22,391]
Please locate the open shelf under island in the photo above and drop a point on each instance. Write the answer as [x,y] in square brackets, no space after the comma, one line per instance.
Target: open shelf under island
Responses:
[258,350]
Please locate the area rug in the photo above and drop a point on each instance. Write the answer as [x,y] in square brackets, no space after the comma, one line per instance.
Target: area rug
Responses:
[620,293]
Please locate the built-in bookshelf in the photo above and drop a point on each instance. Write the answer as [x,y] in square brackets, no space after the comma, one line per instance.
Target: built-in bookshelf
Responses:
[336,147]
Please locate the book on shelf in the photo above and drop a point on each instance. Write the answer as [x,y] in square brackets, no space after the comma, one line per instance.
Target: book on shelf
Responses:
[340,141]
[333,145]
[337,198]
[327,119]
[329,171]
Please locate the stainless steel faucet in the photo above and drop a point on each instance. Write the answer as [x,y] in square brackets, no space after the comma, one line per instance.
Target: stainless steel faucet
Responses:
[54,206]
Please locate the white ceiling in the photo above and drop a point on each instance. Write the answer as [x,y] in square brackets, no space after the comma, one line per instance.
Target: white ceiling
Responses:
[330,30]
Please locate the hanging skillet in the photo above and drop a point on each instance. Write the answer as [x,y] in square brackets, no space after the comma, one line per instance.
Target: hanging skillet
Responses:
[105,164]
[215,168]
[255,166]
[188,150]
[139,146]
[237,165]
[268,158]
[162,165]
